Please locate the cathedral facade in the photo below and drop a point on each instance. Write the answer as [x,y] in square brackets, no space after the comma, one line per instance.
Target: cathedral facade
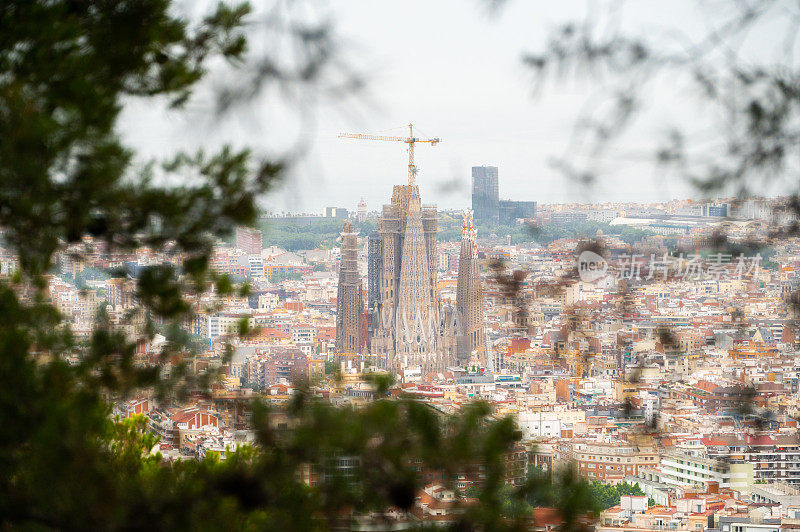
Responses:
[410,325]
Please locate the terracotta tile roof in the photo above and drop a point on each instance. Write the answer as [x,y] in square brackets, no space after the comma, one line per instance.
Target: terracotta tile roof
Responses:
[547,516]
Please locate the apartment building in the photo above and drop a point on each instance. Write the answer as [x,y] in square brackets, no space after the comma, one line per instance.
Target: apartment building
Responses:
[679,468]
[605,461]
[774,457]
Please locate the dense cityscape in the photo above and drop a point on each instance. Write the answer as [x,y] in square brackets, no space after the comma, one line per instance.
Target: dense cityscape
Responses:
[661,365]
[227,302]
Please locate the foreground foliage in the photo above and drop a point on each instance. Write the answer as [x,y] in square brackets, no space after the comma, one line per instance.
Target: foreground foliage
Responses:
[66,68]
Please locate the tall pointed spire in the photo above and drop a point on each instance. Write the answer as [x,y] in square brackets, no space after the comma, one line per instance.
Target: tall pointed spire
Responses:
[349,297]
[469,294]
[416,318]
[411,324]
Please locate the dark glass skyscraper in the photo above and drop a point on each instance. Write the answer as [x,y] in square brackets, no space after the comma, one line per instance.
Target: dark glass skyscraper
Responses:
[510,210]
[485,194]
[487,206]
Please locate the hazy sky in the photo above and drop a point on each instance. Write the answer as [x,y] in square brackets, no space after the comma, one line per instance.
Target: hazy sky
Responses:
[455,71]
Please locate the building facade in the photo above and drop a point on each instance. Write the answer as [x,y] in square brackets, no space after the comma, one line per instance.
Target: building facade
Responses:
[772,457]
[469,297]
[411,329]
[487,206]
[374,270]
[362,210]
[678,468]
[374,278]
[349,295]
[510,211]
[605,461]
[249,240]
[336,212]
[485,194]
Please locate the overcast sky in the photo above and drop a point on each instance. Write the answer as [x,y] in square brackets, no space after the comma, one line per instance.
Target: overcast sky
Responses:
[455,71]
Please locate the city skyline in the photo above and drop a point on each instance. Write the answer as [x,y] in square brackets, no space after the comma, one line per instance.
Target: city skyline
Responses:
[515,314]
[521,132]
[371,211]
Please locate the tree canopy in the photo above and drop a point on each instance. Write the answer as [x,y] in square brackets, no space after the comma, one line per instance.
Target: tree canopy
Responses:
[608,495]
[69,182]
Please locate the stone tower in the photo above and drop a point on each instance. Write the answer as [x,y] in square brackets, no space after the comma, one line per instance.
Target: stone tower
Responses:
[469,296]
[409,331]
[362,210]
[349,297]
[374,282]
[417,317]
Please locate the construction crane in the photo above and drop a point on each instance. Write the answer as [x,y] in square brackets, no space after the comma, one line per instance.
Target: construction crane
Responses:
[410,140]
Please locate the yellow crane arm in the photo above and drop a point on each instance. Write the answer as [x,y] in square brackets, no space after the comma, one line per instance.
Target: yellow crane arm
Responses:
[407,140]
[410,140]
[371,137]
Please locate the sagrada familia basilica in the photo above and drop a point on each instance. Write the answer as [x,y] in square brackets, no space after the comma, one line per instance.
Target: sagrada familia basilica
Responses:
[407,325]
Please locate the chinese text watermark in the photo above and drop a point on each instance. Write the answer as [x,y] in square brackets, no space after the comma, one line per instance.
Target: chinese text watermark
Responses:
[666,267]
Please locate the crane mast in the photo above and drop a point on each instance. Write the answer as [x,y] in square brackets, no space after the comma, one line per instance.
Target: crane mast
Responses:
[410,140]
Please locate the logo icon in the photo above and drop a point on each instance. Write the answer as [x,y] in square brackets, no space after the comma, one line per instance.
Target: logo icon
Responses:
[591,266]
